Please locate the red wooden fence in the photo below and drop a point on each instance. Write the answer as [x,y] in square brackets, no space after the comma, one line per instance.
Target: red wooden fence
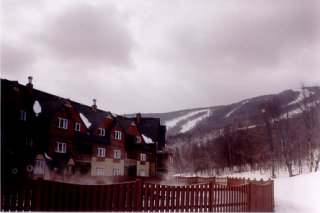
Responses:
[44,195]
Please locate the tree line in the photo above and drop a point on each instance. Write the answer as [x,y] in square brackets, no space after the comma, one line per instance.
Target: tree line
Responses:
[282,137]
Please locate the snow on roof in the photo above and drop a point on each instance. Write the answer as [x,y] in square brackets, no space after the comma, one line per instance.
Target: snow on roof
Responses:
[85,120]
[37,107]
[47,156]
[147,140]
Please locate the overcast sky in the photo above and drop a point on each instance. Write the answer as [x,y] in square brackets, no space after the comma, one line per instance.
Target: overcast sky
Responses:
[161,56]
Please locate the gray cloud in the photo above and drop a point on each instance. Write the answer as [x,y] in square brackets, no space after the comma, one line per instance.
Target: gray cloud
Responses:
[254,35]
[15,58]
[179,54]
[87,33]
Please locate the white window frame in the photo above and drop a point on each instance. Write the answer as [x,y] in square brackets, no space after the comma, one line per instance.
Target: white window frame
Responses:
[117,135]
[62,123]
[23,115]
[116,172]
[77,127]
[143,157]
[39,167]
[143,173]
[101,152]
[170,160]
[61,147]
[102,132]
[100,171]
[29,142]
[138,139]
[116,154]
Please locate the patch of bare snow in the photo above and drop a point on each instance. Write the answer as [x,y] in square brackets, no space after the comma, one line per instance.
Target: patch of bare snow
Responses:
[173,122]
[236,108]
[304,93]
[190,124]
[85,120]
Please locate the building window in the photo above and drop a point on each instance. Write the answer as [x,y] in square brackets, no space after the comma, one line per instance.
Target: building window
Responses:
[170,161]
[101,152]
[23,115]
[116,154]
[29,142]
[117,135]
[100,171]
[116,172]
[138,139]
[61,147]
[77,126]
[39,167]
[143,157]
[142,173]
[62,123]
[102,132]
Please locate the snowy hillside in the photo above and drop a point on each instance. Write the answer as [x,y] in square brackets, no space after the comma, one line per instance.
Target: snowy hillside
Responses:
[188,120]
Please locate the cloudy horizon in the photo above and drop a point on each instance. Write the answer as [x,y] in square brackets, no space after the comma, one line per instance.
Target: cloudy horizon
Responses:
[161,56]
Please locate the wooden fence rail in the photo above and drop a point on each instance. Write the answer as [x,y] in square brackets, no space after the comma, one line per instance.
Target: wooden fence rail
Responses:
[41,195]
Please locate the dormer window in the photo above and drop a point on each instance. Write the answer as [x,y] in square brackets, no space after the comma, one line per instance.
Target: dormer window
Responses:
[101,132]
[117,135]
[29,142]
[23,115]
[77,127]
[138,139]
[39,167]
[62,123]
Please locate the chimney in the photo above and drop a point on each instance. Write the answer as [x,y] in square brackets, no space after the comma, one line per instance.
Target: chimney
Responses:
[138,118]
[29,84]
[94,106]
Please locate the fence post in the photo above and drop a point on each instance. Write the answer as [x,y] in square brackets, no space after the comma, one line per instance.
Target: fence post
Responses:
[36,196]
[211,196]
[249,196]
[139,195]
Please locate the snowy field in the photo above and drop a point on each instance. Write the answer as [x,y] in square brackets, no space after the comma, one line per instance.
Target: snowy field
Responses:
[300,193]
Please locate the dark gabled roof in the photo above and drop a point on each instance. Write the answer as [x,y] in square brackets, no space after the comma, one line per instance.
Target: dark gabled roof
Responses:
[124,122]
[150,127]
[50,104]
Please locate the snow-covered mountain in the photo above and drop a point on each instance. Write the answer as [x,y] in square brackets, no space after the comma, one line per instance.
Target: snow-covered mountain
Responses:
[204,123]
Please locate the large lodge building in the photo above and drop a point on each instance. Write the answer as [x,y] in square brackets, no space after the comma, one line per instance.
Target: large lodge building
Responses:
[49,137]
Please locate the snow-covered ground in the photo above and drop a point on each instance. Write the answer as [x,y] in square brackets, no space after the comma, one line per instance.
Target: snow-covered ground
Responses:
[300,193]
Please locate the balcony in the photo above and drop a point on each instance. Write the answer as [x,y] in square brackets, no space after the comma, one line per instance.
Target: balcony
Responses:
[130,162]
[82,158]
[165,150]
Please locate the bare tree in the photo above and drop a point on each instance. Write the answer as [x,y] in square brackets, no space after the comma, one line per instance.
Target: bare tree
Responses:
[279,115]
[266,117]
[309,108]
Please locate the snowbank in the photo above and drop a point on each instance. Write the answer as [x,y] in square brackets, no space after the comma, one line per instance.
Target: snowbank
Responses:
[298,194]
